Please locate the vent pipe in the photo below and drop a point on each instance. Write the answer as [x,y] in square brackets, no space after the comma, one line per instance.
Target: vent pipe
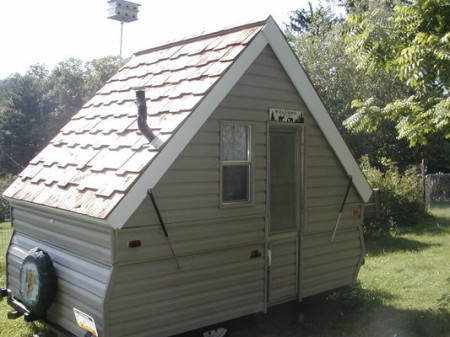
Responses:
[142,116]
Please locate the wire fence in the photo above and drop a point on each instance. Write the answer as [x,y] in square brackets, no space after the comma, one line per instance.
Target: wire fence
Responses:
[437,191]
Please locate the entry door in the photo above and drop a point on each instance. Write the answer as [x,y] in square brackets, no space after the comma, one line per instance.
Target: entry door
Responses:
[284,208]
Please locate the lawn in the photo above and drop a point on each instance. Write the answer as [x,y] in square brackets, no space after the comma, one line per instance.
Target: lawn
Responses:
[18,327]
[403,290]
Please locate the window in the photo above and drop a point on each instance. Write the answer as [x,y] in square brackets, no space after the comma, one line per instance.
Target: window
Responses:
[236,159]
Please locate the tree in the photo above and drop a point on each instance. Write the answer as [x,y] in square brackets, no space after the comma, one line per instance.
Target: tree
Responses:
[410,41]
[314,21]
[23,114]
[34,107]
[72,83]
[335,75]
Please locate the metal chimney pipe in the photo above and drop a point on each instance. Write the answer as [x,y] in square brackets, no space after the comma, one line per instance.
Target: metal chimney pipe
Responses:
[142,116]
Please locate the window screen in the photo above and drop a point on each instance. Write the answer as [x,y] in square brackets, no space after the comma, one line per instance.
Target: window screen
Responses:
[236,162]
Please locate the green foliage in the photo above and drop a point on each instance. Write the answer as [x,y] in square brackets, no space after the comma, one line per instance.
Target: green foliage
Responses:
[34,106]
[4,205]
[409,40]
[401,195]
[313,21]
[339,81]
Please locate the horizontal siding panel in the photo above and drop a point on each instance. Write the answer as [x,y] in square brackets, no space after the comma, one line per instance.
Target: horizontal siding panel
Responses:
[337,192]
[196,163]
[326,284]
[261,104]
[202,150]
[206,287]
[326,172]
[144,215]
[213,213]
[192,176]
[328,226]
[312,240]
[190,238]
[318,160]
[263,81]
[330,213]
[255,92]
[283,294]
[270,70]
[326,276]
[328,201]
[283,273]
[185,189]
[80,246]
[186,294]
[249,114]
[204,320]
[206,136]
[181,320]
[329,181]
[194,201]
[88,240]
[350,254]
[283,270]
[81,284]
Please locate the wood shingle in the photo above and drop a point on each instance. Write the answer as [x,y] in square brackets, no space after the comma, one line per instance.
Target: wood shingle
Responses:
[98,155]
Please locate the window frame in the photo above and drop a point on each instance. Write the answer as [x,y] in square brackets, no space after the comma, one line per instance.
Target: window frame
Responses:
[249,163]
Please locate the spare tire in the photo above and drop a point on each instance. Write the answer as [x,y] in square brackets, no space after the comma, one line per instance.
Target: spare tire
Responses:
[37,282]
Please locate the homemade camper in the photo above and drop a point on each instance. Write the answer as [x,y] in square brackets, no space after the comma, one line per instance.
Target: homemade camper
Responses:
[205,181]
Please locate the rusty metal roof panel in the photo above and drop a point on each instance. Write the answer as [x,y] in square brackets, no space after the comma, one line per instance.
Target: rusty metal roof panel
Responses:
[100,153]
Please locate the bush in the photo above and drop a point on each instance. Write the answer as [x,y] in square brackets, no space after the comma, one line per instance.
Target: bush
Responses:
[401,195]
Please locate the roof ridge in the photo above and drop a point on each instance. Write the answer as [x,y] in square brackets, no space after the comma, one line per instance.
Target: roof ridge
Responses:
[203,37]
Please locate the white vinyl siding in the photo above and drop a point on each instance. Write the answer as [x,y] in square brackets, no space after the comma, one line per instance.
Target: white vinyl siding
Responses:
[81,254]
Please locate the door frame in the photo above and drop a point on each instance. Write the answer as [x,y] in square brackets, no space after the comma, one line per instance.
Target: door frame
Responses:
[301,165]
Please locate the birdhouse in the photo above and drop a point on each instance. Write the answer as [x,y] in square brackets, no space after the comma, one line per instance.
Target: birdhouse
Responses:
[124,11]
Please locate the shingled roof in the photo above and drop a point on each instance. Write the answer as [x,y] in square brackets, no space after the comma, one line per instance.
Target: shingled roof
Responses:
[94,165]
[98,155]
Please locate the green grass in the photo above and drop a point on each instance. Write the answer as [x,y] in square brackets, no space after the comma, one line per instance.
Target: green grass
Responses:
[403,290]
[411,271]
[18,327]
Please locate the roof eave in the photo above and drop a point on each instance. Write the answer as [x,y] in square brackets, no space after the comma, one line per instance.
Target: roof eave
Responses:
[56,212]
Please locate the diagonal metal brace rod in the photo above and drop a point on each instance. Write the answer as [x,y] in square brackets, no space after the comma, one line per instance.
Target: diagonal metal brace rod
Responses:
[342,208]
[161,222]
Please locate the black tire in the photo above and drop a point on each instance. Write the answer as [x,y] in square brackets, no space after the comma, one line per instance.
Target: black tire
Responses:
[37,282]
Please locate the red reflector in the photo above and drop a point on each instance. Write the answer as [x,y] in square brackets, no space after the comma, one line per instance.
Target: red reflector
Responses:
[134,243]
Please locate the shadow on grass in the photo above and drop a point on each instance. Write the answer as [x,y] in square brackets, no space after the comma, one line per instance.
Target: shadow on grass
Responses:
[352,312]
[430,225]
[378,245]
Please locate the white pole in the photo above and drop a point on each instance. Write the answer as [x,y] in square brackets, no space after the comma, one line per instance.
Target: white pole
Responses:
[121,37]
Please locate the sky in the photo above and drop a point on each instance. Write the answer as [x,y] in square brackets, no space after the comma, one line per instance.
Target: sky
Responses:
[50,31]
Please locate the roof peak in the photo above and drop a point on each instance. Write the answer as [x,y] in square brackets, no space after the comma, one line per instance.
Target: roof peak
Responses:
[204,36]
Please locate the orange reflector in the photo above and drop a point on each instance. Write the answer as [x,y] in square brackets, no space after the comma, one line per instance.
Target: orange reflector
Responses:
[134,243]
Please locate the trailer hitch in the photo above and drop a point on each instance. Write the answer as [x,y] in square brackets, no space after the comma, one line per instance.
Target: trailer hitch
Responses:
[4,293]
[19,308]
